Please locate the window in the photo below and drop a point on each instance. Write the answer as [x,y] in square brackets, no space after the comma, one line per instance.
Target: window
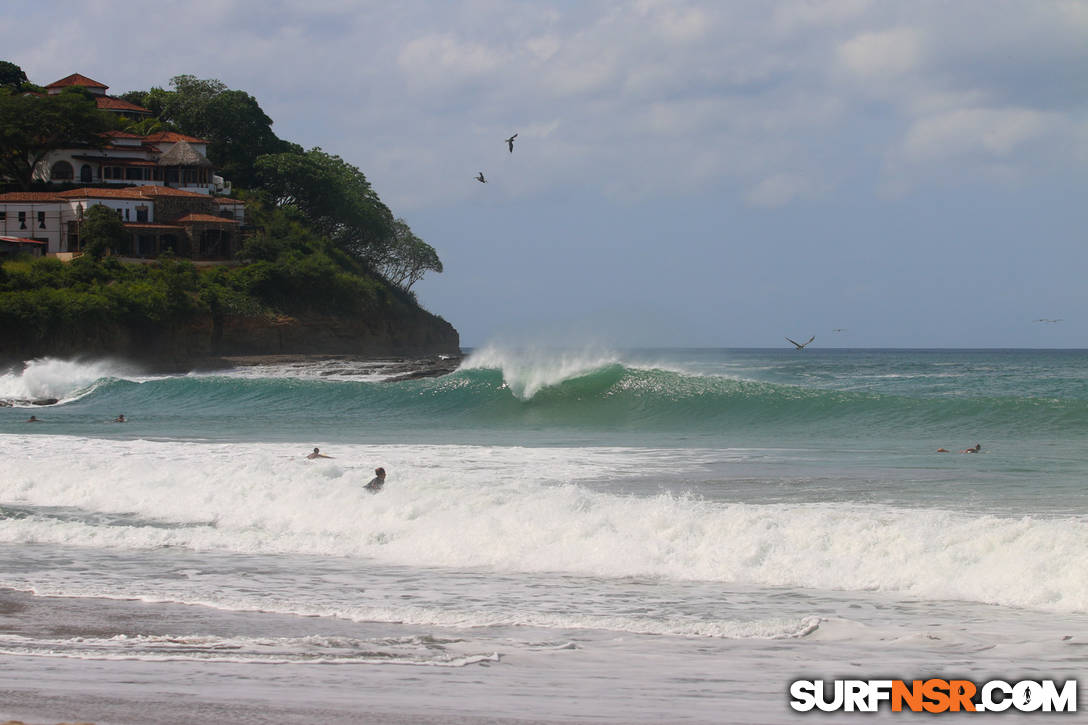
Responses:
[134,173]
[3,216]
[126,214]
[141,213]
[22,220]
[41,220]
[62,171]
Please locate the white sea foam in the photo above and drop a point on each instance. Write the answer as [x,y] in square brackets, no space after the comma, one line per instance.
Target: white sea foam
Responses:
[418,651]
[65,380]
[528,371]
[520,510]
[338,370]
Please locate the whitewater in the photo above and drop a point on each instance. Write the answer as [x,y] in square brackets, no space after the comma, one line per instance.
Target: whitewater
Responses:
[564,535]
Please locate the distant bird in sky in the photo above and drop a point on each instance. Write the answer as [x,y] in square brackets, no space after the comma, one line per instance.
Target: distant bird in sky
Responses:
[1043,319]
[510,142]
[801,345]
[837,329]
[480,178]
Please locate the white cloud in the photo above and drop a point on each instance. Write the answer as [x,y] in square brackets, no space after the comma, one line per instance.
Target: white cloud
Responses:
[881,54]
[444,57]
[985,131]
[811,14]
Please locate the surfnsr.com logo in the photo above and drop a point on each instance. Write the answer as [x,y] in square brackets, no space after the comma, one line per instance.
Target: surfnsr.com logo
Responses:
[933,695]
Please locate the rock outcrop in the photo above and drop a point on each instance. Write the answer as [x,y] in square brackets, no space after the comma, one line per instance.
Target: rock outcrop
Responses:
[207,341]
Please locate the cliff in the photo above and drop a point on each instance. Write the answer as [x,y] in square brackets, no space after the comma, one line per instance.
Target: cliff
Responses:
[206,341]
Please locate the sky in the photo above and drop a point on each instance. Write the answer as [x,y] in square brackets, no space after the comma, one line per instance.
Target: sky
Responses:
[686,174]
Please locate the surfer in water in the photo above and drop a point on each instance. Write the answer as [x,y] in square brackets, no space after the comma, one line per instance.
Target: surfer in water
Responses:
[120,419]
[317,454]
[377,482]
[975,449]
[33,419]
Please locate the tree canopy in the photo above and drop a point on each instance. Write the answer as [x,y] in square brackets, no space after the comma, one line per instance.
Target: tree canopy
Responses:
[334,196]
[101,230]
[31,126]
[407,258]
[12,76]
[232,122]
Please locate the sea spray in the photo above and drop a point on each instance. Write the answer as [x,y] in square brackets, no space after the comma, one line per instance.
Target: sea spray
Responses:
[522,510]
[527,371]
[57,379]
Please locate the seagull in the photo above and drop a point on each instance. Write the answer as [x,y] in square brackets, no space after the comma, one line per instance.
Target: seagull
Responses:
[510,142]
[480,178]
[801,345]
[837,329]
[1043,319]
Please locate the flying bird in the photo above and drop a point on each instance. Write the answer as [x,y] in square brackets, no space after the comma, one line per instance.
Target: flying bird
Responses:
[837,329]
[1043,319]
[480,178]
[801,345]
[510,142]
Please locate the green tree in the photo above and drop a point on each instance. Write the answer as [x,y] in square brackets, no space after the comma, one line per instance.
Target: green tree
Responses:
[334,196]
[232,122]
[155,100]
[407,258]
[102,230]
[12,76]
[32,126]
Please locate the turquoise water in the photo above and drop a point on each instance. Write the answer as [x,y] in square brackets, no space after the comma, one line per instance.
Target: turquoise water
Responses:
[670,397]
[552,518]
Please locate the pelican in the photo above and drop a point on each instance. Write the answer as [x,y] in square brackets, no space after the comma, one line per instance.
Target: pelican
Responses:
[480,178]
[801,345]
[510,142]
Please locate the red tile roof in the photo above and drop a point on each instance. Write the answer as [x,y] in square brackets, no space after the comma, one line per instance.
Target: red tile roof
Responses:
[77,80]
[108,103]
[226,200]
[120,134]
[29,196]
[130,192]
[204,219]
[125,192]
[21,240]
[171,137]
[146,225]
[149,191]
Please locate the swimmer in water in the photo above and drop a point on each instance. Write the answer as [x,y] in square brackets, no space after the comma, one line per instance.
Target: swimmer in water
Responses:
[377,482]
[120,419]
[317,454]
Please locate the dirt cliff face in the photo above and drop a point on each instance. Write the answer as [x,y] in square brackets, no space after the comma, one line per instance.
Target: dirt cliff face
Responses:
[201,343]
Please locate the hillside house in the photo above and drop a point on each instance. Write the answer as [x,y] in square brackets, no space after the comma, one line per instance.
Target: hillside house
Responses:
[162,186]
[156,218]
[159,159]
[98,90]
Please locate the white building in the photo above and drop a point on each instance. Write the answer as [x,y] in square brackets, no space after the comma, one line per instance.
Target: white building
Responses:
[156,217]
[160,159]
[162,187]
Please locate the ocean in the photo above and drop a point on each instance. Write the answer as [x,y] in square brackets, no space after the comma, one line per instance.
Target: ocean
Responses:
[636,536]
